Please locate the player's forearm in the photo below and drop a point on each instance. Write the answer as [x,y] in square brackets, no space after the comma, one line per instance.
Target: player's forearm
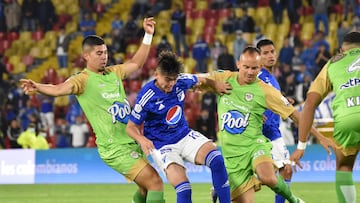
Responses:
[52,90]
[134,132]
[142,53]
[305,123]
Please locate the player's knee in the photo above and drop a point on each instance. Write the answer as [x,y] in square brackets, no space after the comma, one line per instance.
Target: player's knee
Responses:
[270,181]
[214,160]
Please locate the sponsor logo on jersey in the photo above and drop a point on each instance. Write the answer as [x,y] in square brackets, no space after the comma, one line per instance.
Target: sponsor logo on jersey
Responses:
[120,111]
[353,82]
[161,106]
[173,115]
[234,122]
[354,65]
[353,101]
[107,95]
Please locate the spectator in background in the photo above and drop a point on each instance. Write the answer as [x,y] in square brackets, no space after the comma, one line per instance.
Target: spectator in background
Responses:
[117,24]
[164,45]
[74,111]
[246,22]
[342,30]
[215,51]
[28,11]
[229,25]
[12,13]
[294,39]
[62,134]
[308,57]
[258,35]
[226,61]
[277,7]
[13,132]
[292,7]
[131,29]
[353,7]
[160,5]
[239,44]
[47,116]
[139,8]
[45,13]
[25,113]
[201,53]
[296,61]
[320,14]
[321,58]
[62,47]
[286,52]
[2,17]
[178,29]
[87,25]
[79,132]
[30,139]
[205,125]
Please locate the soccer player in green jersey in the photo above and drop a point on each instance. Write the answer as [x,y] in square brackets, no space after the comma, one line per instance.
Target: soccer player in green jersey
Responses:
[246,151]
[342,76]
[101,95]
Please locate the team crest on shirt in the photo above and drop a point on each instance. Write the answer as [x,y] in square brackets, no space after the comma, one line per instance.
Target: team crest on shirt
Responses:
[173,115]
[134,155]
[249,97]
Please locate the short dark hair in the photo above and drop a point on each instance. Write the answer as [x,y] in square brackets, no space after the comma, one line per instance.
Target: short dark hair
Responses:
[251,50]
[352,37]
[92,40]
[169,64]
[264,42]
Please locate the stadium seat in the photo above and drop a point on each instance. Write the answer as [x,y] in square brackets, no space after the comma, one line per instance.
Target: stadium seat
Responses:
[38,35]
[3,36]
[4,44]
[13,36]
[27,60]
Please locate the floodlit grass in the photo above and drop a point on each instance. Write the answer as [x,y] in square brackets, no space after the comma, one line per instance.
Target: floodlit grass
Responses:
[122,193]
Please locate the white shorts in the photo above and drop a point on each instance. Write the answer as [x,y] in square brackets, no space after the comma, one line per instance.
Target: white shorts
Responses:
[280,153]
[185,149]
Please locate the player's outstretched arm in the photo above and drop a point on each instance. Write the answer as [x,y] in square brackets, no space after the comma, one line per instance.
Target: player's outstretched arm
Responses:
[305,126]
[138,60]
[220,87]
[133,130]
[30,87]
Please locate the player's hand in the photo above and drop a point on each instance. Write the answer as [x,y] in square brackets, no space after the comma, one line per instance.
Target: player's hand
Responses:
[149,25]
[146,145]
[222,87]
[295,158]
[326,143]
[28,86]
[290,100]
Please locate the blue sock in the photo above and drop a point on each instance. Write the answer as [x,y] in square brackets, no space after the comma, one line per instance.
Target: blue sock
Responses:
[279,198]
[183,192]
[215,162]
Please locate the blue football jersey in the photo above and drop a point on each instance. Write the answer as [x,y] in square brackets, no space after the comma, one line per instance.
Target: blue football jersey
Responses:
[271,125]
[163,113]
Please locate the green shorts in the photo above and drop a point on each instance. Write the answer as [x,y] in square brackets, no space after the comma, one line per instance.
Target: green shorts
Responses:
[347,134]
[241,169]
[127,159]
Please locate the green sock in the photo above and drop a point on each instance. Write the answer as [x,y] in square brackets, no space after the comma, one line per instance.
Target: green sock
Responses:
[155,197]
[345,188]
[282,189]
[138,197]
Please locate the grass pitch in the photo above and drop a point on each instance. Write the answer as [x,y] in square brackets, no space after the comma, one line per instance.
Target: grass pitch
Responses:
[122,193]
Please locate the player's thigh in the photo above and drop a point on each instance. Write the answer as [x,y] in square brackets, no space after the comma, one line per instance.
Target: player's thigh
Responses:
[127,159]
[195,147]
[241,175]
[344,163]
[149,179]
[246,197]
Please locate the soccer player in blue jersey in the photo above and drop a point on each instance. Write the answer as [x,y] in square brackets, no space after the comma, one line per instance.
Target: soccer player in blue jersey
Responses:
[279,152]
[167,136]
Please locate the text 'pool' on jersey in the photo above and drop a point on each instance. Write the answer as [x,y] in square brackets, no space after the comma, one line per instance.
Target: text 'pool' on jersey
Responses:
[173,115]
[234,122]
[120,112]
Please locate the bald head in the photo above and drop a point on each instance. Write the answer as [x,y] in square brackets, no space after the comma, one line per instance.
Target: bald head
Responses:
[249,65]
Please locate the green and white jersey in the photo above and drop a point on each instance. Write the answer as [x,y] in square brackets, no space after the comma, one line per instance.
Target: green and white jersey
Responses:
[240,113]
[103,100]
[341,75]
